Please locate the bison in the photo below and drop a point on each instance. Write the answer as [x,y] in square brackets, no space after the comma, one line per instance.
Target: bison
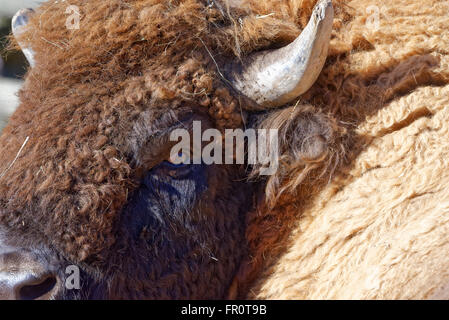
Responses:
[88,187]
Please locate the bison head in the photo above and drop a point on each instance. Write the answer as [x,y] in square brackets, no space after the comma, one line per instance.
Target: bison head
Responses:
[91,206]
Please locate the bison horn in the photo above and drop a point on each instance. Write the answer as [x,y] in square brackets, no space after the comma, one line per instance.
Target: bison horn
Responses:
[275,77]
[19,21]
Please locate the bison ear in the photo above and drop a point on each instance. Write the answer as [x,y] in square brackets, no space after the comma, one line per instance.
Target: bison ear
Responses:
[19,22]
[275,77]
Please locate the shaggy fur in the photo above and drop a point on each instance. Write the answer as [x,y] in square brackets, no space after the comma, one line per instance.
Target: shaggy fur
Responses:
[126,57]
[355,209]
[85,146]
[378,227]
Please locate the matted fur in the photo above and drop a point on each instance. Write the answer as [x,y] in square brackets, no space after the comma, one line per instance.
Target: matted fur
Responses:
[379,227]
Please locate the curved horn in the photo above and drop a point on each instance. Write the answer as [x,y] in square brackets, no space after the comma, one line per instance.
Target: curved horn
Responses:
[19,22]
[275,77]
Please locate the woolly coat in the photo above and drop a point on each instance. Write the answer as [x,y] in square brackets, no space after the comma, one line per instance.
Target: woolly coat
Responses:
[368,220]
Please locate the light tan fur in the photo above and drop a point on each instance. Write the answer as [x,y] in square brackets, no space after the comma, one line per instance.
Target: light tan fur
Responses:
[380,229]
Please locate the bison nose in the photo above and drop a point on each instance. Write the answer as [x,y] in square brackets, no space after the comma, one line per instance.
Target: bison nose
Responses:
[23,278]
